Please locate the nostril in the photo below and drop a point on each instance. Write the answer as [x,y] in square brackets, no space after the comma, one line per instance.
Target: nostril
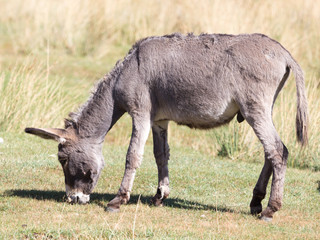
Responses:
[73,199]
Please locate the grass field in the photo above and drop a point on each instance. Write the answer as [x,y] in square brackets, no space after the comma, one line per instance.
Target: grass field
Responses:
[211,202]
[52,53]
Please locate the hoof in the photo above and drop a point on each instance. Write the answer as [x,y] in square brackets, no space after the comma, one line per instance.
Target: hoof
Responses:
[266,219]
[114,204]
[267,214]
[256,210]
[161,195]
[157,202]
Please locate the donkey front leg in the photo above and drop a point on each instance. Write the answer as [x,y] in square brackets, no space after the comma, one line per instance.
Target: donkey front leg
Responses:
[140,132]
[161,154]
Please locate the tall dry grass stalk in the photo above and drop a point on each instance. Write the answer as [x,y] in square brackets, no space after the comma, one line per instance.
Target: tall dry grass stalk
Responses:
[28,98]
[103,29]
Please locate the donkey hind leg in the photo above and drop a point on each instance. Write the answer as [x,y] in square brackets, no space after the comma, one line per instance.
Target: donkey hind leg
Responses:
[161,154]
[140,131]
[276,155]
[259,192]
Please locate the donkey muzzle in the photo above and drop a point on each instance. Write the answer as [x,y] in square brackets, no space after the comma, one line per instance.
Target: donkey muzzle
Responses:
[78,198]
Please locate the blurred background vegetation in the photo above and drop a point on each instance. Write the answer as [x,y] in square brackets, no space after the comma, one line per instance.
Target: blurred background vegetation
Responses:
[52,52]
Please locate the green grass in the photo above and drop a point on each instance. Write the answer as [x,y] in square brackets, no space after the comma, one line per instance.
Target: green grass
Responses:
[209,198]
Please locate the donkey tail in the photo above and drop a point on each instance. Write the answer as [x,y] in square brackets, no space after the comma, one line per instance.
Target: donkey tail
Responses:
[302,105]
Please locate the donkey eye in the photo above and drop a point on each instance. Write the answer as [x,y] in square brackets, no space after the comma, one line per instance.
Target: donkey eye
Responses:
[63,161]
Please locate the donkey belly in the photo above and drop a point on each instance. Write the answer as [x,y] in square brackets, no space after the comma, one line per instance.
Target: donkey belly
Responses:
[199,115]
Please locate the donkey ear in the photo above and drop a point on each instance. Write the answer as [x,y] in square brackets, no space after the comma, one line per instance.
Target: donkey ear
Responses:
[56,134]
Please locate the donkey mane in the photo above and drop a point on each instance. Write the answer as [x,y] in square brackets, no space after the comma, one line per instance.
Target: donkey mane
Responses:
[74,116]
[113,75]
[98,92]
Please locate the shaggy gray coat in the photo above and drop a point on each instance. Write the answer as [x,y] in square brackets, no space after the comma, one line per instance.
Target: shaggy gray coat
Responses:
[199,81]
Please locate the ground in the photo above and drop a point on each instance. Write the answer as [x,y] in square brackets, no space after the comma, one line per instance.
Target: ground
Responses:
[209,198]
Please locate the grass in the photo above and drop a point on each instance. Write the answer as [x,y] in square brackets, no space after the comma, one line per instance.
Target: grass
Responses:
[209,198]
[52,52]
[22,91]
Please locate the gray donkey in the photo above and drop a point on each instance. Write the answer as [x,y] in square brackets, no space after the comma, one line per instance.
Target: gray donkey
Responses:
[199,81]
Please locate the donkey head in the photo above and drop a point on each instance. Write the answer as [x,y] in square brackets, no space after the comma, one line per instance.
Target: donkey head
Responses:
[80,158]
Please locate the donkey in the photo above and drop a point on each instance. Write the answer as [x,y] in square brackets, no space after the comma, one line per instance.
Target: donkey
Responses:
[199,81]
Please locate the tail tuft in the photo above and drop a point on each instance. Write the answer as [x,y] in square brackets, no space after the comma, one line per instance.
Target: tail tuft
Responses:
[302,105]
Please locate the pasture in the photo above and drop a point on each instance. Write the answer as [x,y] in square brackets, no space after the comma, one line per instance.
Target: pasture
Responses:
[52,53]
[211,202]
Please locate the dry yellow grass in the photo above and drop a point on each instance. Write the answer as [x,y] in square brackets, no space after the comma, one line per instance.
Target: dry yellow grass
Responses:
[27,93]
[94,27]
[98,31]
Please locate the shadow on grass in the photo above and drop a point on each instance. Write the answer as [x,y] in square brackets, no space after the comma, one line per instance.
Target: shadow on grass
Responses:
[102,199]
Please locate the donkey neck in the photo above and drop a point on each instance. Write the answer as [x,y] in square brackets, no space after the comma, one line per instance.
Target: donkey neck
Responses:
[99,113]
